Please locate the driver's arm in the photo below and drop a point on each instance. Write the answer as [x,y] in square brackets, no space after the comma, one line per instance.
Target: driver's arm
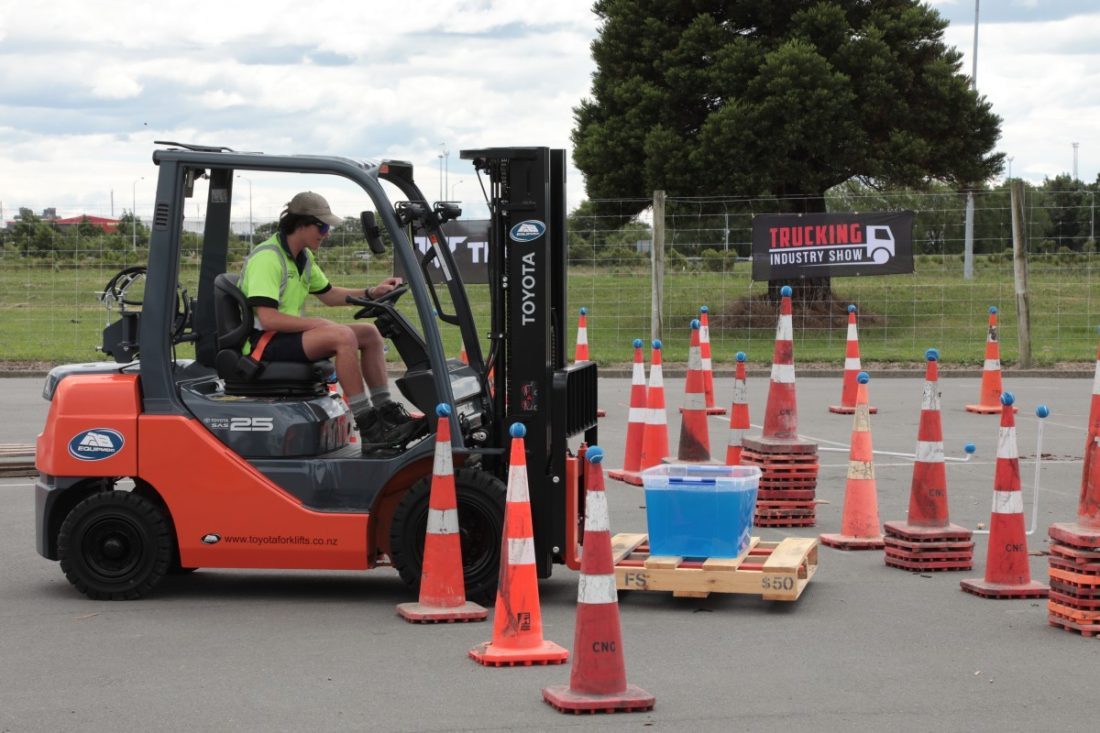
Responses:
[339,296]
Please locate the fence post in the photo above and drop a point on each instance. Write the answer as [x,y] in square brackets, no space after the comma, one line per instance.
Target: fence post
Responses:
[1019,268]
[657,272]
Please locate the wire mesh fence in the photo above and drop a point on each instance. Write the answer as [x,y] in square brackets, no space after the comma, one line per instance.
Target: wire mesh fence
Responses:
[54,270]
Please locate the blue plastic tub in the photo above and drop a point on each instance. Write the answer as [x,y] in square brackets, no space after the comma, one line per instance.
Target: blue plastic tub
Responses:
[699,510]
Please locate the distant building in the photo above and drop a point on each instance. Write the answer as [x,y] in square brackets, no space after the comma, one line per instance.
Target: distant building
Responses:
[109,226]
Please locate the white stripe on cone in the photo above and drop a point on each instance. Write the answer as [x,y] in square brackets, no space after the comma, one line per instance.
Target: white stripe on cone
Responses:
[443,465]
[521,551]
[736,436]
[656,376]
[597,589]
[1008,502]
[783,373]
[992,365]
[708,364]
[740,392]
[656,416]
[517,485]
[929,451]
[851,364]
[852,332]
[1096,380]
[1006,443]
[636,414]
[595,512]
[638,376]
[442,521]
[930,400]
[695,401]
[783,330]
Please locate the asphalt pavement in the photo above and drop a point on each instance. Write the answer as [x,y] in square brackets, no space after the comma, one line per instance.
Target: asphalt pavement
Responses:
[866,647]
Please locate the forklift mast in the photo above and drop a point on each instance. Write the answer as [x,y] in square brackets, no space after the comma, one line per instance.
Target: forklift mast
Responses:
[533,385]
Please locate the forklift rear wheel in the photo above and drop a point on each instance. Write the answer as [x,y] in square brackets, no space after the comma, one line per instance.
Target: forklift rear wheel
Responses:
[480,498]
[115,545]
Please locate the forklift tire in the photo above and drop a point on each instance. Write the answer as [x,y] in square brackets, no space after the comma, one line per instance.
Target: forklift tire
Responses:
[481,499]
[115,545]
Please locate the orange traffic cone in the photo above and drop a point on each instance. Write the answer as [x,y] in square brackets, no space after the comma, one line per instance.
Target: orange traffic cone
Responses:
[517,620]
[462,356]
[1085,532]
[655,435]
[852,367]
[859,527]
[928,540]
[1007,571]
[990,402]
[597,680]
[739,413]
[708,364]
[635,425]
[581,351]
[694,434]
[442,589]
[781,411]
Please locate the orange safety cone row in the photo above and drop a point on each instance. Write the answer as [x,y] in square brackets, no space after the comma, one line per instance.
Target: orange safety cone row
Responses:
[852,367]
[859,527]
[708,364]
[517,619]
[928,540]
[1007,568]
[597,680]
[655,435]
[990,400]
[739,413]
[442,589]
[635,424]
[694,433]
[781,411]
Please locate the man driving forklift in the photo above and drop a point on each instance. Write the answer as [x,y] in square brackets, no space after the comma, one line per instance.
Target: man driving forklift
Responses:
[277,296]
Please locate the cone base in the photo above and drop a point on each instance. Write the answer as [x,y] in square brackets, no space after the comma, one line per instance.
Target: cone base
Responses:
[1087,630]
[851,542]
[765,444]
[920,566]
[985,589]
[784,521]
[716,411]
[600,412]
[546,652]
[1076,535]
[418,613]
[631,700]
[849,409]
[634,478]
[988,409]
[918,533]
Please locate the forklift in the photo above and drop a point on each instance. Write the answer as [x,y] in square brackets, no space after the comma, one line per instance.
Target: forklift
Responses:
[152,464]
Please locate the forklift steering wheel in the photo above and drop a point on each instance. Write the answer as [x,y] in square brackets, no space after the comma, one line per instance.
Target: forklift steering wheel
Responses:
[374,308]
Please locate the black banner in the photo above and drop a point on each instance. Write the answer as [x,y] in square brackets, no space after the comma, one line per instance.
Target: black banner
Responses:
[469,244]
[791,246]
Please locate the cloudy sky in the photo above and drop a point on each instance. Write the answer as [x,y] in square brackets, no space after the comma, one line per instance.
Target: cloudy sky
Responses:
[86,87]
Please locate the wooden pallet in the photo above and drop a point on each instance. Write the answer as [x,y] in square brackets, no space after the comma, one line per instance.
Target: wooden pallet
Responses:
[775,571]
[17,460]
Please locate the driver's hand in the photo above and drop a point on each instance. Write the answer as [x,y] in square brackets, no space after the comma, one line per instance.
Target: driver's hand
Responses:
[386,286]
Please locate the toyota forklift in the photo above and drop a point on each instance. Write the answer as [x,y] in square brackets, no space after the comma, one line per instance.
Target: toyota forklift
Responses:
[152,464]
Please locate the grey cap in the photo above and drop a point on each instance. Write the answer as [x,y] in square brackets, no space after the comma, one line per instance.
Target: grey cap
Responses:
[313,204]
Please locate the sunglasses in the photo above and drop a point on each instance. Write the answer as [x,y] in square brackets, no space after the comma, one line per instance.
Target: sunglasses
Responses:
[322,227]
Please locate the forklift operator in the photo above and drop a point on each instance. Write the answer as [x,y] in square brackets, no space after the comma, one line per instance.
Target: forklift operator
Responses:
[277,295]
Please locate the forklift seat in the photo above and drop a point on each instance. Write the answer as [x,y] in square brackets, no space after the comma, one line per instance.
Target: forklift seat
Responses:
[242,374]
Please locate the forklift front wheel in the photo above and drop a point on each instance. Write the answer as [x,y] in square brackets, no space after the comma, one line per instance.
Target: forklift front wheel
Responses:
[481,498]
[115,545]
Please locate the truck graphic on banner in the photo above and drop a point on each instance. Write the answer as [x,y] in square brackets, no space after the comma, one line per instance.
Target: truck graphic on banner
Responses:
[788,246]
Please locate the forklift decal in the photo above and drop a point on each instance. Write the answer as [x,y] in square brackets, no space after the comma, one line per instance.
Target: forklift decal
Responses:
[96,444]
[527,231]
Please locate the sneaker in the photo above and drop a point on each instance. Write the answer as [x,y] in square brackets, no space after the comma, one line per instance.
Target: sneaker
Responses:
[400,426]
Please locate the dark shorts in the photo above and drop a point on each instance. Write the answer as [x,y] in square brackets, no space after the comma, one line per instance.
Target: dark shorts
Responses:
[282,347]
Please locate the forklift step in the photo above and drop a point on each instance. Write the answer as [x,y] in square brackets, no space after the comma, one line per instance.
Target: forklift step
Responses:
[775,571]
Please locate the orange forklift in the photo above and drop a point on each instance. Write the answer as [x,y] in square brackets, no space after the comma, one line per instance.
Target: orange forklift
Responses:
[152,464]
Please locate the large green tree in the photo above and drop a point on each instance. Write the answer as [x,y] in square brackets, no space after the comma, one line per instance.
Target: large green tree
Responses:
[777,98]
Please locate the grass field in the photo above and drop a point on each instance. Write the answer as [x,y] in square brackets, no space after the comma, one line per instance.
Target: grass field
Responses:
[52,315]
